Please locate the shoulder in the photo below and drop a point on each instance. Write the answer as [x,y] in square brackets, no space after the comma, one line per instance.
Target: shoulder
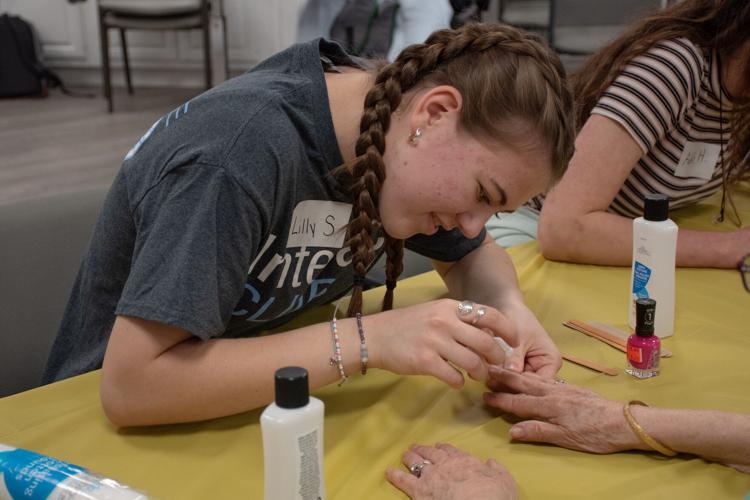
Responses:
[669,74]
[678,59]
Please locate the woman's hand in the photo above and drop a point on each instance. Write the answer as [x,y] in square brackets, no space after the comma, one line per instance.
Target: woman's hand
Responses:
[560,414]
[432,339]
[469,278]
[535,351]
[451,474]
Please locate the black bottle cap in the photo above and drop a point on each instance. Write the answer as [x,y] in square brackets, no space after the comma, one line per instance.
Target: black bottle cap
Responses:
[645,312]
[656,207]
[292,388]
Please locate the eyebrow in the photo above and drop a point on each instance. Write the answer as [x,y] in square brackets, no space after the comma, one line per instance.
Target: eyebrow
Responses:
[501,192]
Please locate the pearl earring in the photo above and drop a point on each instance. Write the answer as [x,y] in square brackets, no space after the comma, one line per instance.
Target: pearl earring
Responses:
[414,137]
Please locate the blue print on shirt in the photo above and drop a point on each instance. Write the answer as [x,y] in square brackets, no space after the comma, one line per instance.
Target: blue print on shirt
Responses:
[297,301]
[172,115]
[279,284]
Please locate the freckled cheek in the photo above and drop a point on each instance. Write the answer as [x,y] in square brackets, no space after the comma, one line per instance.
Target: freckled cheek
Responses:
[445,181]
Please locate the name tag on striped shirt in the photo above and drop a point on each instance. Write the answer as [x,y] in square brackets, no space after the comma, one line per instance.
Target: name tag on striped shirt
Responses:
[698,160]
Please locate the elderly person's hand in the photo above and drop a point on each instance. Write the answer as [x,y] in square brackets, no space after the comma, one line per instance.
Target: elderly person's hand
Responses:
[451,474]
[561,414]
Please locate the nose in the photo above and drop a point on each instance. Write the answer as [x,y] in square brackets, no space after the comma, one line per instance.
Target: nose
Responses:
[471,224]
[447,221]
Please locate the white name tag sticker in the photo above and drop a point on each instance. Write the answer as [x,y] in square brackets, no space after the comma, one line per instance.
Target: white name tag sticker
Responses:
[698,160]
[318,223]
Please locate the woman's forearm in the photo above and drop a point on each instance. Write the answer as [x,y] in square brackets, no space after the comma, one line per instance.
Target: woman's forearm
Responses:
[603,238]
[714,435]
[486,275]
[198,380]
[156,374]
[595,238]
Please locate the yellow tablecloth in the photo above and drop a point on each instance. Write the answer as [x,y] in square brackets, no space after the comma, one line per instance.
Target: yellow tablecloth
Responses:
[372,419]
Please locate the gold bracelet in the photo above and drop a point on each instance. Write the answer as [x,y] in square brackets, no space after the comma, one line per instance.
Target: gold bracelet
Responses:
[641,433]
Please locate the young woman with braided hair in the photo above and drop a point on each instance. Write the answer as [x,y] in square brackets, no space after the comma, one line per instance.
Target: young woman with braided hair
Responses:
[275,192]
[665,108]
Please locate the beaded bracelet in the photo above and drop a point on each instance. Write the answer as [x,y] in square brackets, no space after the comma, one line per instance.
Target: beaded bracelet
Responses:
[363,357]
[336,359]
[641,433]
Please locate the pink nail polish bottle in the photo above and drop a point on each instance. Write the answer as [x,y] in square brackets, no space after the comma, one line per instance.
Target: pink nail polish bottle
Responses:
[644,348]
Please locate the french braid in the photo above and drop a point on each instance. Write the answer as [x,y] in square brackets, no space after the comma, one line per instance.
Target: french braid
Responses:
[503,75]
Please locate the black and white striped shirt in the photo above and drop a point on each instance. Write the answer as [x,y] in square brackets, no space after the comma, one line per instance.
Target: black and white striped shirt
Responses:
[665,99]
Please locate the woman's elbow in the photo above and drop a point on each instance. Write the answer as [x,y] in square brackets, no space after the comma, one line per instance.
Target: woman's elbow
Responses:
[556,237]
[119,400]
[115,409]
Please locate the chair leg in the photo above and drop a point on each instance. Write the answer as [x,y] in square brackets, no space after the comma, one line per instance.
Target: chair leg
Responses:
[226,46]
[126,61]
[207,47]
[106,77]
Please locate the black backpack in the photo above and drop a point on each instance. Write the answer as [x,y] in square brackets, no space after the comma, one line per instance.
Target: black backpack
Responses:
[467,11]
[22,72]
[365,27]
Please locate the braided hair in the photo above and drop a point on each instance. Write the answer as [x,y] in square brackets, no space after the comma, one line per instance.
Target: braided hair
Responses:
[503,74]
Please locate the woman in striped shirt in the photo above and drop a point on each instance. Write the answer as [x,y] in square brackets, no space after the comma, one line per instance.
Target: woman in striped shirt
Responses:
[662,109]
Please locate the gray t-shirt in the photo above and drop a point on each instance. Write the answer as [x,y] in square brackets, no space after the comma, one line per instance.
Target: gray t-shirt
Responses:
[224,219]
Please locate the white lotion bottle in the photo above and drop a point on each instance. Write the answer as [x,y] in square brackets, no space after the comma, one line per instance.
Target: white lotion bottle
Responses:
[654,257]
[292,428]
[29,475]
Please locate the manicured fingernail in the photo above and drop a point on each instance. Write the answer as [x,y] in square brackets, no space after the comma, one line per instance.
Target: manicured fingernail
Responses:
[516,432]
[495,369]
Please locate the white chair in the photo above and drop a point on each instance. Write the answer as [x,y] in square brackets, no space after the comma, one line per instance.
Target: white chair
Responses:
[151,15]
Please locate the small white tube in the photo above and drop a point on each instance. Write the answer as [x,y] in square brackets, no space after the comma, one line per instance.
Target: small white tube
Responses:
[508,350]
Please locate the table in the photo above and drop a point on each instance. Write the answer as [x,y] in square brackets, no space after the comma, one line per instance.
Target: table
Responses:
[370,420]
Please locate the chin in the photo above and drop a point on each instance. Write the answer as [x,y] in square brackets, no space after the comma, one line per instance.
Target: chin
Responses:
[398,231]
[401,234]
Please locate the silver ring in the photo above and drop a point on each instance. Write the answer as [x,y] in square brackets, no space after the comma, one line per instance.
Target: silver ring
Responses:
[465,308]
[559,380]
[481,311]
[416,469]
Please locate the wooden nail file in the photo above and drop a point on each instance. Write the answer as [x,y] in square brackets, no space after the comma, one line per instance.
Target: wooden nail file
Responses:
[590,364]
[614,343]
[608,334]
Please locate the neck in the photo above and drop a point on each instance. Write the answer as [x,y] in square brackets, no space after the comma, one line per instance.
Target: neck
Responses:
[346,97]
[735,71]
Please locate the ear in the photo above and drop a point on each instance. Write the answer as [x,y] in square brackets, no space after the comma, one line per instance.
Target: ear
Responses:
[443,102]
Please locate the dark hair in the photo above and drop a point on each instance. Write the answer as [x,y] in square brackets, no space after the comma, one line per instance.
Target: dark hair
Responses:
[720,25]
[503,74]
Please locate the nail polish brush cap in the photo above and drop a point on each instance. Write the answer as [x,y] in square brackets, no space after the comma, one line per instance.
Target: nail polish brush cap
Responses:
[645,311]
